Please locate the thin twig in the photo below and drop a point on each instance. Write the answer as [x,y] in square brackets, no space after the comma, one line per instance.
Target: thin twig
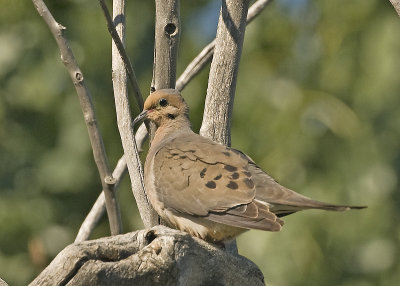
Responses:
[123,54]
[205,56]
[85,99]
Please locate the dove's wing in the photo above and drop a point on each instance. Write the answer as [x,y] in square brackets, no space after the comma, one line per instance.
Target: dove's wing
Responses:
[196,176]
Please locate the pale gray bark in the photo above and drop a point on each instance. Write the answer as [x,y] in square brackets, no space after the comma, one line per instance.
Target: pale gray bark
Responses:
[396,5]
[160,256]
[89,115]
[223,73]
[118,43]
[125,126]
[166,43]
[3,283]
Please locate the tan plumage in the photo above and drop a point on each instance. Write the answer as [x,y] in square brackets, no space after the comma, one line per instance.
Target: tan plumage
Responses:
[209,190]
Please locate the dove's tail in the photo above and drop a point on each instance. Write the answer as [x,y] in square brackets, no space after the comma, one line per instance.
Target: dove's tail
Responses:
[299,203]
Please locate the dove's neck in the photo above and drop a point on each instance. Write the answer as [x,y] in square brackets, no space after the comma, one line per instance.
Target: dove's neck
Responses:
[170,130]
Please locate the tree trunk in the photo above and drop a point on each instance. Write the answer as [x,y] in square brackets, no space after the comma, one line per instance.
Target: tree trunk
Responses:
[159,256]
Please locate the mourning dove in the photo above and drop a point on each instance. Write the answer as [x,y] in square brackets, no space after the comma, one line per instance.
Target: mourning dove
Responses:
[206,189]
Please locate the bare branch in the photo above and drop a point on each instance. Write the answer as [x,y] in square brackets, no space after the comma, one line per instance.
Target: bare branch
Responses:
[85,99]
[200,61]
[396,5]
[125,126]
[223,72]
[121,49]
[167,34]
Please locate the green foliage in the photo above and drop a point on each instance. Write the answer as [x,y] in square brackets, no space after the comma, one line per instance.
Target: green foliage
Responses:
[318,84]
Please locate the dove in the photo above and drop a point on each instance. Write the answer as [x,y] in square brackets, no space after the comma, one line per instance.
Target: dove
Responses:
[206,189]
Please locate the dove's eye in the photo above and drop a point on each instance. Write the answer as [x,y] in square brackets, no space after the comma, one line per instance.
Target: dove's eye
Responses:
[163,102]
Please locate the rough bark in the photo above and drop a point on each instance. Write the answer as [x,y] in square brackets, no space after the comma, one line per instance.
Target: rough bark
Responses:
[166,43]
[396,5]
[160,256]
[223,73]
[125,124]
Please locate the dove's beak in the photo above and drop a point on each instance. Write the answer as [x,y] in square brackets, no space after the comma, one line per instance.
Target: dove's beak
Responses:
[142,116]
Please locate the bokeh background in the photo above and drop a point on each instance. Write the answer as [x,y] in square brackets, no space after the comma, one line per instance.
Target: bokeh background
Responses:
[317,105]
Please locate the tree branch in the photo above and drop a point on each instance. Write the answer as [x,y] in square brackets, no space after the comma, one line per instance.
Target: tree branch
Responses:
[86,103]
[396,5]
[159,256]
[223,72]
[166,43]
[121,49]
[125,126]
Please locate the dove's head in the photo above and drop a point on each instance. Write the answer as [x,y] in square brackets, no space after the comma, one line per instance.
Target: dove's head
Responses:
[164,106]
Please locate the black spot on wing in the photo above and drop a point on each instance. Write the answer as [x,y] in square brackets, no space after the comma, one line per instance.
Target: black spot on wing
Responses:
[203,173]
[235,175]
[232,185]
[218,177]
[211,185]
[227,154]
[230,168]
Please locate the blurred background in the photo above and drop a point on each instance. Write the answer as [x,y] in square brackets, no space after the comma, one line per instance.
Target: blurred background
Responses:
[317,106]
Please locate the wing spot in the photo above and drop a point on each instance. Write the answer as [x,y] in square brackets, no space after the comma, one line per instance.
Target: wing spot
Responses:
[235,175]
[203,173]
[218,177]
[249,183]
[230,168]
[232,185]
[227,154]
[182,157]
[211,185]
